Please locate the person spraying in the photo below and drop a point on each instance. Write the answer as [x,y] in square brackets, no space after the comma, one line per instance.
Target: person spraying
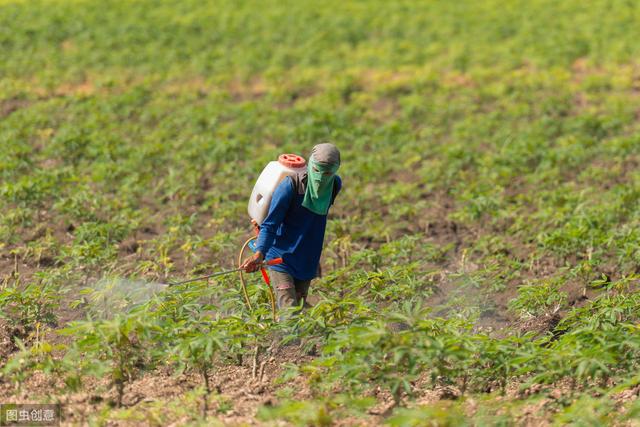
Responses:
[295,225]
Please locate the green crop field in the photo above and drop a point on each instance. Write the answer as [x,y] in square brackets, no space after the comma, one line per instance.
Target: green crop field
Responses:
[481,265]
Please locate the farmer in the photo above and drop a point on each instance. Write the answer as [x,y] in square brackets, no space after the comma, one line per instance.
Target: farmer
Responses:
[294,227]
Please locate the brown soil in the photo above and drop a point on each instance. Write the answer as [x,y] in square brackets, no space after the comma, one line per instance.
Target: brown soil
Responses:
[7,344]
[10,105]
[235,384]
[539,325]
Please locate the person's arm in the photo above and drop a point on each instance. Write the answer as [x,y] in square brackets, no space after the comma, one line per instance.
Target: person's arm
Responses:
[280,202]
[338,188]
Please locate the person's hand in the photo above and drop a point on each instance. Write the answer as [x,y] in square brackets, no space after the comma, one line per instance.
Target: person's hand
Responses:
[253,263]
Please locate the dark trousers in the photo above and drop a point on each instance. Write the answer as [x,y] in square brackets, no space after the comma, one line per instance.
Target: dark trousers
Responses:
[290,292]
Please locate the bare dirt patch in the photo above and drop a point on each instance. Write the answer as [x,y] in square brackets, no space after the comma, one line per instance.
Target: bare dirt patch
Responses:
[254,88]
[7,344]
[233,384]
[10,105]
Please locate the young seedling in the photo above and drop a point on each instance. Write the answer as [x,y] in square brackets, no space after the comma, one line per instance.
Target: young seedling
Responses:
[197,347]
[116,347]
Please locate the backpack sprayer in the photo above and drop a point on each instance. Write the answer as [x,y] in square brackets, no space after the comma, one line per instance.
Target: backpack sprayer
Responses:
[258,208]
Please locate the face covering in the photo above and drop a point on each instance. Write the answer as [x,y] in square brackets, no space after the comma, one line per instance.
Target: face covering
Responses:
[320,178]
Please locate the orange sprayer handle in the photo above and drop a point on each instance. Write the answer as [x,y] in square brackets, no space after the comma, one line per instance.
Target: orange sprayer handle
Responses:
[263,270]
[265,276]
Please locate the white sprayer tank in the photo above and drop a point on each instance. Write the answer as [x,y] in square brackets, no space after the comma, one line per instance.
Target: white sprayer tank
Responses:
[273,173]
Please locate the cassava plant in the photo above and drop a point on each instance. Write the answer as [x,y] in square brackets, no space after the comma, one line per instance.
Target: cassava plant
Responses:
[119,348]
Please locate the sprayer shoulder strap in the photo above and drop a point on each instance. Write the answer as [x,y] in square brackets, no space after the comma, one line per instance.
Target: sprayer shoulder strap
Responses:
[300,185]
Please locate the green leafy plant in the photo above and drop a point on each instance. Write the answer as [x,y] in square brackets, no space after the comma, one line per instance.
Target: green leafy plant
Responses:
[116,347]
[30,307]
[196,348]
[537,298]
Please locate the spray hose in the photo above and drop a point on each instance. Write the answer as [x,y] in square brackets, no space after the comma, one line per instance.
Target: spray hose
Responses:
[265,276]
[240,270]
[222,273]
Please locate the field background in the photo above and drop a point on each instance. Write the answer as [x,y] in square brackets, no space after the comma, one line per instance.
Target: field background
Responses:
[480,266]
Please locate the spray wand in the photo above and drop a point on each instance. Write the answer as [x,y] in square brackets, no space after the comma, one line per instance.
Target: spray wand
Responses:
[274,261]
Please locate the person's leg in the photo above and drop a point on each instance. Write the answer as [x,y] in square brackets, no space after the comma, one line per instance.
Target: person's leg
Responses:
[302,290]
[284,288]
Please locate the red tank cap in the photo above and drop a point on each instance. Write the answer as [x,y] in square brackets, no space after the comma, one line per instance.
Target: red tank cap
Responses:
[292,160]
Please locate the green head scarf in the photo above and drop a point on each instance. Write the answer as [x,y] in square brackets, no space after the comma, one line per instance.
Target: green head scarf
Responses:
[321,173]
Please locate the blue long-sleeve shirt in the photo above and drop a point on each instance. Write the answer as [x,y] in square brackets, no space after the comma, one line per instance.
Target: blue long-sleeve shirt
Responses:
[293,232]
